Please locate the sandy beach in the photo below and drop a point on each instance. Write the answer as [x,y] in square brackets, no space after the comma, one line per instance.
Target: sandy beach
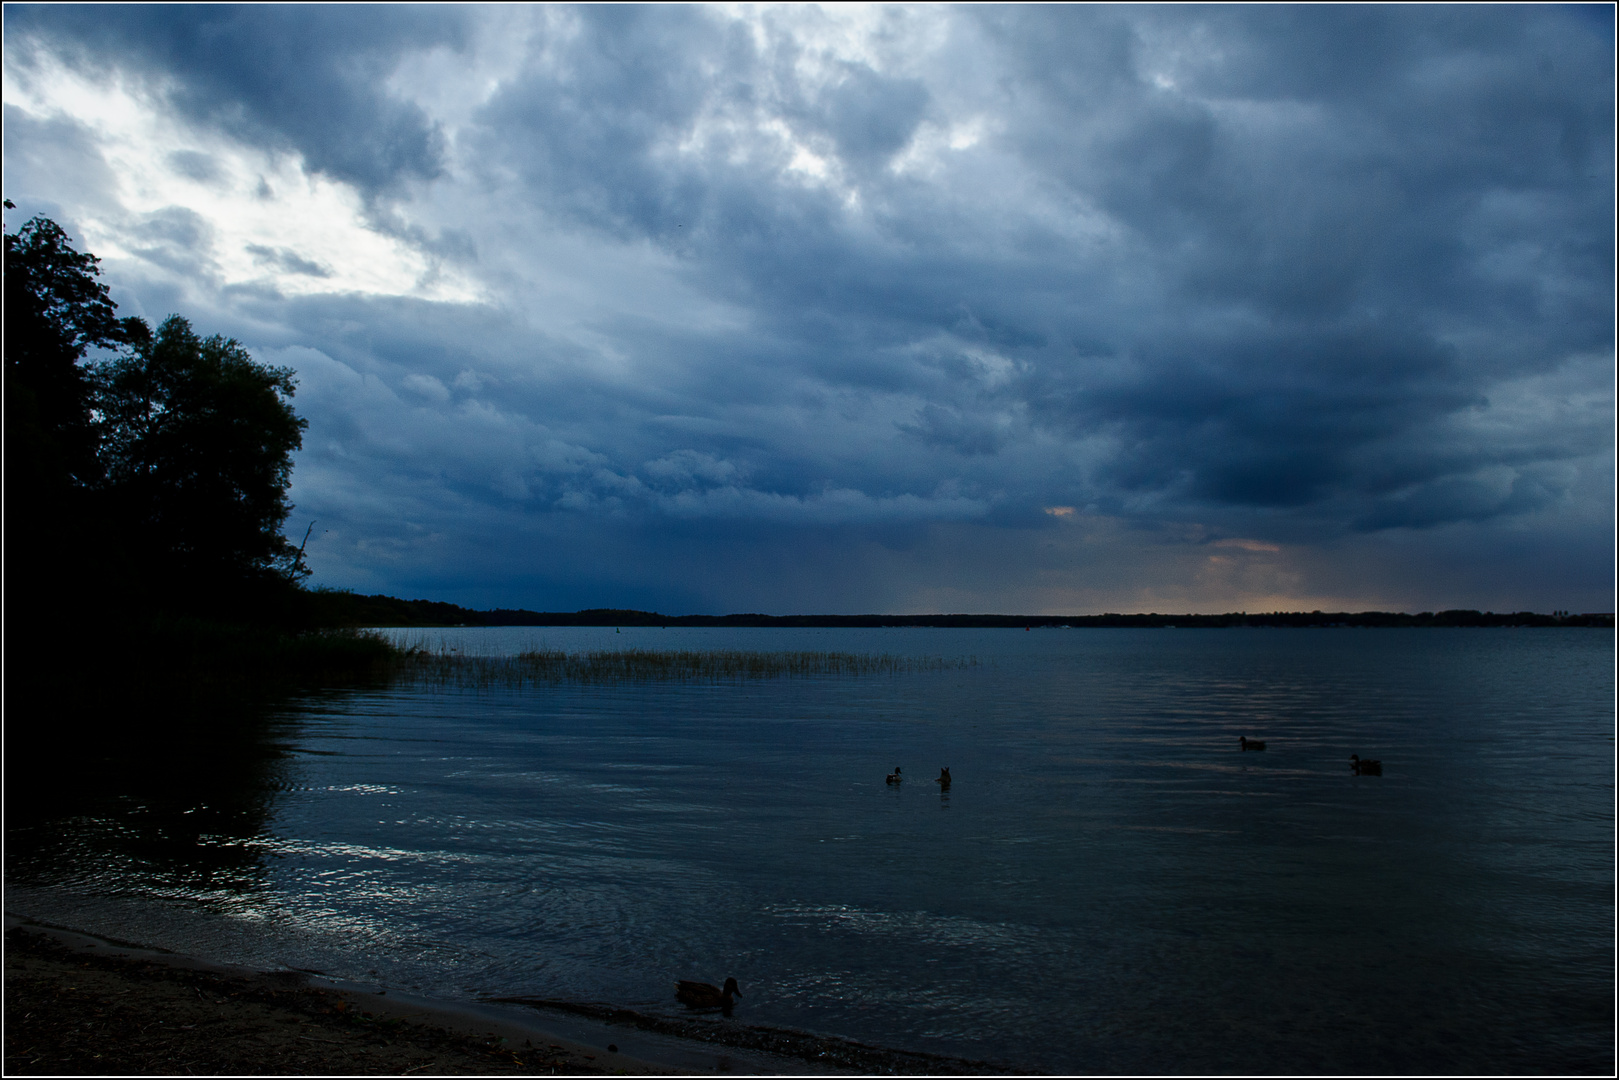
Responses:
[77,1004]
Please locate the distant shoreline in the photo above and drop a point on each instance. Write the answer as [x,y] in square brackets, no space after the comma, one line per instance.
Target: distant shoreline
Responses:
[349,609]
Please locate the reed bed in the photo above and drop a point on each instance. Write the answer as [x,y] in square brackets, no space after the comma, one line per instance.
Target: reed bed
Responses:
[446,667]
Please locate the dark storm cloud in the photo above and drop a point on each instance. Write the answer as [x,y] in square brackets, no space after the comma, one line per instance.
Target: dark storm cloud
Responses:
[289,261]
[1317,237]
[302,77]
[583,127]
[1322,275]
[1343,210]
[870,117]
[58,162]
[178,240]
[198,166]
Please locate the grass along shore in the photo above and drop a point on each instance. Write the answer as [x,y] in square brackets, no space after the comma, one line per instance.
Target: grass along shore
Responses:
[169,678]
[447,666]
[181,665]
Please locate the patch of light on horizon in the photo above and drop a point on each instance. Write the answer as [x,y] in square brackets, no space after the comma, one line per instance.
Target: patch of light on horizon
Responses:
[256,199]
[1246,545]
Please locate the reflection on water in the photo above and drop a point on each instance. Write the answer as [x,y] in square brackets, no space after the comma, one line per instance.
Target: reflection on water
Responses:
[179,808]
[1109,884]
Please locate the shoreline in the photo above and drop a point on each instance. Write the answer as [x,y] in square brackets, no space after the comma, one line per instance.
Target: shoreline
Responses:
[81,1004]
[344,608]
[73,997]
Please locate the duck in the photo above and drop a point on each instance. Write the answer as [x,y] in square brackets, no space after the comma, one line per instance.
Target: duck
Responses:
[1365,768]
[1251,744]
[943,779]
[701,995]
[894,777]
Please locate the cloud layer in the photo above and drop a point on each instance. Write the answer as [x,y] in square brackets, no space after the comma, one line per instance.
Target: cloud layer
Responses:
[791,309]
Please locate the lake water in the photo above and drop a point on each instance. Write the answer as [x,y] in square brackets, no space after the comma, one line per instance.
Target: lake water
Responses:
[1109,885]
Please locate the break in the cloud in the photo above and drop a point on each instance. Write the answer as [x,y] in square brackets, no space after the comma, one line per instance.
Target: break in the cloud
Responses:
[882,308]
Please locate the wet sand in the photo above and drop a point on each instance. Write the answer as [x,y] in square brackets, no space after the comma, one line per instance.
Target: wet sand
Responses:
[76,1004]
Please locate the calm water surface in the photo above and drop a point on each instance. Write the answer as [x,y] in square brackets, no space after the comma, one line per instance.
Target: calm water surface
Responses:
[1109,885]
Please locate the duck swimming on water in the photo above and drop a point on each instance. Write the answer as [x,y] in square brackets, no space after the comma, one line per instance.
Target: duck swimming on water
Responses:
[1250,744]
[701,995]
[943,779]
[1365,768]
[894,777]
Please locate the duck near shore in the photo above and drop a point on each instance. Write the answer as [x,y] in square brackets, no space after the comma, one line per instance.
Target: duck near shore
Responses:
[1365,768]
[701,995]
[1251,744]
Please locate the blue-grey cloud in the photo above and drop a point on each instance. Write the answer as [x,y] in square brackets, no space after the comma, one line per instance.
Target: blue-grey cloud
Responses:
[302,78]
[289,261]
[763,319]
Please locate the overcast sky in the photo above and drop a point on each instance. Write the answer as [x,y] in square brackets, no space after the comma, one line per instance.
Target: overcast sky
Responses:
[1016,309]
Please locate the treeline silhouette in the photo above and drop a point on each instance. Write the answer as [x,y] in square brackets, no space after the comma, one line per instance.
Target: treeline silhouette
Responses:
[339,608]
[146,474]
[146,467]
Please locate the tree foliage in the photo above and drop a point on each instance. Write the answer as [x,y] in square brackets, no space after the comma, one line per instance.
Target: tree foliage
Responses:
[196,442]
[157,470]
[55,312]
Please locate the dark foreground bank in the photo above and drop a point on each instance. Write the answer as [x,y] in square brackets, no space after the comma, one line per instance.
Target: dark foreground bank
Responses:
[82,1006]
[69,1011]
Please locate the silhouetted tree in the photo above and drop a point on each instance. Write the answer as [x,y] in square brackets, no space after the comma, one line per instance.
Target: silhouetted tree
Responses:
[55,313]
[196,447]
[156,475]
